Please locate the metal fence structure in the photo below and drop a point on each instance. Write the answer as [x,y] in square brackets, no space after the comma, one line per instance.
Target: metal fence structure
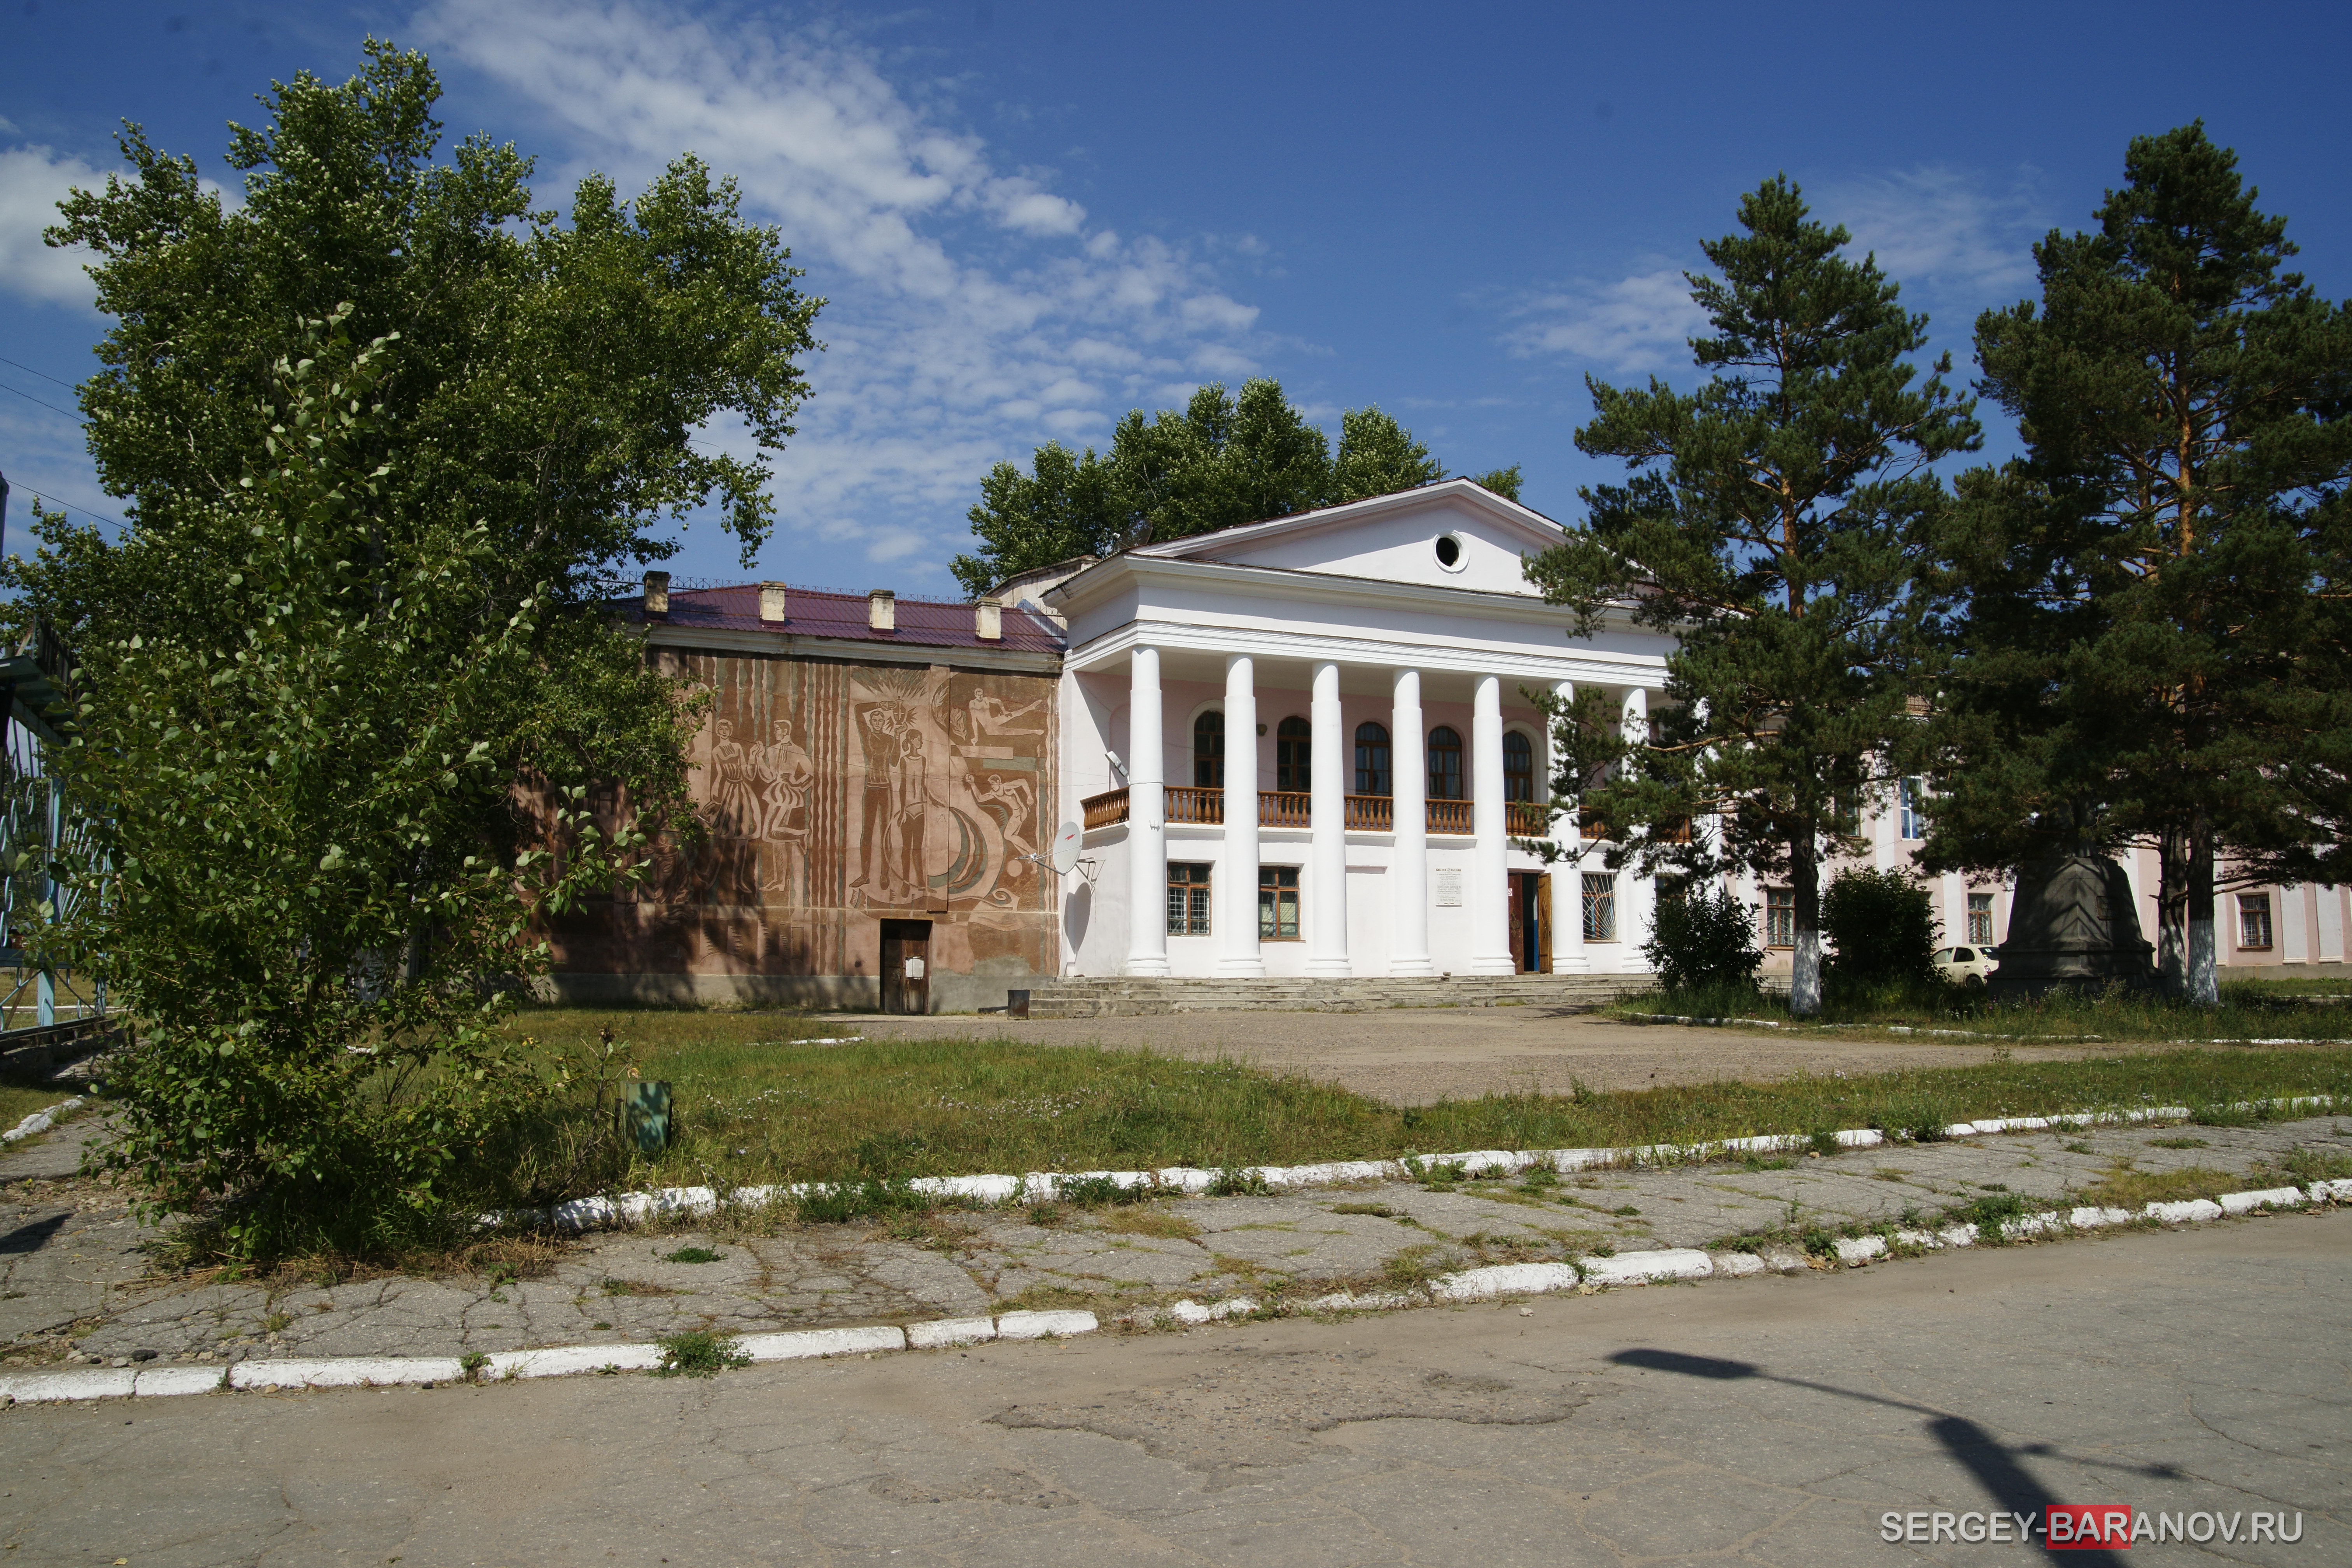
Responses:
[36,833]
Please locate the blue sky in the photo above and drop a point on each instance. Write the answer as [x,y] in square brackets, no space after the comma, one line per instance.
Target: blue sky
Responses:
[1031,217]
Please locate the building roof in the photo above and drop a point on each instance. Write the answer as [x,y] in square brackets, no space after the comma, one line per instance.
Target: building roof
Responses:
[810,613]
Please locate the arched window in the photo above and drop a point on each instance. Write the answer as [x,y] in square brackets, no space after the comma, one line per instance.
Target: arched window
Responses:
[1209,750]
[1518,766]
[1294,747]
[1373,759]
[1445,763]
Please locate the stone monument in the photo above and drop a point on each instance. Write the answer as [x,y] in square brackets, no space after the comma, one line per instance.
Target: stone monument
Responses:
[2074,925]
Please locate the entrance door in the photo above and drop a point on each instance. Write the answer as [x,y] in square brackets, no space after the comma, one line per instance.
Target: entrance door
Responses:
[1529,939]
[906,966]
[1543,921]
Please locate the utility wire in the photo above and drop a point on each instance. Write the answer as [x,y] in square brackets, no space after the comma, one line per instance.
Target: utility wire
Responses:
[30,398]
[44,376]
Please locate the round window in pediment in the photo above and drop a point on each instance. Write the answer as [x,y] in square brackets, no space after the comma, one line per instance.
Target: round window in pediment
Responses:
[1449,553]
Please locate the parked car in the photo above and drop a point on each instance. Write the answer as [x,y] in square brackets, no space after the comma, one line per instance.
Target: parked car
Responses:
[1967,965]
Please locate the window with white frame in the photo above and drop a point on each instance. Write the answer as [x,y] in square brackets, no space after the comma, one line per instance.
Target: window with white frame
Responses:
[1188,898]
[1913,823]
[2254,919]
[1599,906]
[1980,918]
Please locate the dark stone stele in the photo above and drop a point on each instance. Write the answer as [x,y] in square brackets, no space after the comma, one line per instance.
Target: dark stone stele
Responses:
[2074,926]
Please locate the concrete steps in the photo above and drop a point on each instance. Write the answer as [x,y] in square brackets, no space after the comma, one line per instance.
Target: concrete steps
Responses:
[1124,997]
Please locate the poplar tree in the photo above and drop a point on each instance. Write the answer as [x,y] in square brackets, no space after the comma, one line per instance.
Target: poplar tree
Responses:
[2151,623]
[1773,523]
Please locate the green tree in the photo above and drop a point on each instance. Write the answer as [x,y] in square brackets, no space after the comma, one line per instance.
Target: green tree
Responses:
[1773,523]
[550,373]
[1222,461]
[293,890]
[385,658]
[2150,638]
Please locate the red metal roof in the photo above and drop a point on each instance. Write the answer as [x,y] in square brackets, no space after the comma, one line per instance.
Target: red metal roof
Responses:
[921,623]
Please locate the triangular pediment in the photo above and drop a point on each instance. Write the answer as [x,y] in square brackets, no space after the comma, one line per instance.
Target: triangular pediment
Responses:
[1456,534]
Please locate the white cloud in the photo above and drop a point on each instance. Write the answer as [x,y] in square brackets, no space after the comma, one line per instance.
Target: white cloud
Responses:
[1643,321]
[33,180]
[972,314]
[1942,229]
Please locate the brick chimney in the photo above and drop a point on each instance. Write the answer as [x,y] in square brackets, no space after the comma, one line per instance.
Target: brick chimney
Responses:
[988,621]
[882,610]
[773,601]
[657,592]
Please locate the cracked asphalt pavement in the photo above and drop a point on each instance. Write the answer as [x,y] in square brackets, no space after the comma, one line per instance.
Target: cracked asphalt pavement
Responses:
[1768,1420]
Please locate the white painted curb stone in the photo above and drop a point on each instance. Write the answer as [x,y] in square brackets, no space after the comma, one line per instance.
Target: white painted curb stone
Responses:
[164,1381]
[2268,1198]
[804,1344]
[1740,1265]
[2331,1191]
[99,1382]
[1037,1325]
[950,1331]
[2195,1209]
[1643,1267]
[571,1360]
[39,1121]
[1506,1279]
[344,1372]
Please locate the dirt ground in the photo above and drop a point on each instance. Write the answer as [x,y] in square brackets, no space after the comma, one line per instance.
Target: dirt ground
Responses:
[1416,1056]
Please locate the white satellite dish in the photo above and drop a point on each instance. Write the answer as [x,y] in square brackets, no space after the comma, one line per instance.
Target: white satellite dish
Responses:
[1065,847]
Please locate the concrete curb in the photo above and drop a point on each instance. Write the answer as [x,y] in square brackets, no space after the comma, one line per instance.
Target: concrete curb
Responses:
[1039,1186]
[1496,1282]
[40,1121]
[1689,1022]
[556,1361]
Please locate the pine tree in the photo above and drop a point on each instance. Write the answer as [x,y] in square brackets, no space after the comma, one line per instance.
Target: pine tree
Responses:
[1773,523]
[2151,642]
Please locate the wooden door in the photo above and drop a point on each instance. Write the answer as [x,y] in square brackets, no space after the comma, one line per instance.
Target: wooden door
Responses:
[1519,932]
[1543,923]
[906,966]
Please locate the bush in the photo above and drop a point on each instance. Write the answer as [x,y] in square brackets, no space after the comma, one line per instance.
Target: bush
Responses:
[1880,928]
[1704,941]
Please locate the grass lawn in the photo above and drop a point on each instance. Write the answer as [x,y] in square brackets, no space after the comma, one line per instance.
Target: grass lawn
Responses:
[751,1106]
[2249,1009]
[20,1097]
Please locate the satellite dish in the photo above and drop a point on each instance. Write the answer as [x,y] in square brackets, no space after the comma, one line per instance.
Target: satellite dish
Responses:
[1065,847]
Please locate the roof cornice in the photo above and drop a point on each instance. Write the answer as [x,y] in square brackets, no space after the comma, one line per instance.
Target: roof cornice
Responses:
[850,651]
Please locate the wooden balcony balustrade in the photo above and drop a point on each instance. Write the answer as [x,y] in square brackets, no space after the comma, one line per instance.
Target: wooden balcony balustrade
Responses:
[1284,809]
[1527,818]
[1449,816]
[1371,813]
[1594,831]
[1190,803]
[1105,810]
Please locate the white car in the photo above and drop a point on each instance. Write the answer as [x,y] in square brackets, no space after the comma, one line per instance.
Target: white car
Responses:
[1967,965]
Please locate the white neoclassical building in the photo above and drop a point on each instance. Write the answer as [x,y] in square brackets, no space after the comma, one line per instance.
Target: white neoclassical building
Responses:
[1361,677]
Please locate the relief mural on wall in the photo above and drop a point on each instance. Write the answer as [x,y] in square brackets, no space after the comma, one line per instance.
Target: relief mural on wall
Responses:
[833,795]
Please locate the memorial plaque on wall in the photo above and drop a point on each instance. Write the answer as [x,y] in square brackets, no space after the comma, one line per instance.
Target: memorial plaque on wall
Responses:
[1447,880]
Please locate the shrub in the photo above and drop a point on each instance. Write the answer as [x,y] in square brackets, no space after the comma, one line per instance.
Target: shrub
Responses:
[1704,941]
[1881,930]
[698,1354]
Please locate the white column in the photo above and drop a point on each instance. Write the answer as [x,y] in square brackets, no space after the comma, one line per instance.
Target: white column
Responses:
[1568,955]
[1490,896]
[1237,952]
[1637,894]
[1327,872]
[1408,875]
[1147,819]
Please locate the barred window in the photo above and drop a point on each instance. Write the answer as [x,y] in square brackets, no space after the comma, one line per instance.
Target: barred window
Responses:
[1188,898]
[1277,903]
[1599,906]
[1980,918]
[2254,919]
[1779,917]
